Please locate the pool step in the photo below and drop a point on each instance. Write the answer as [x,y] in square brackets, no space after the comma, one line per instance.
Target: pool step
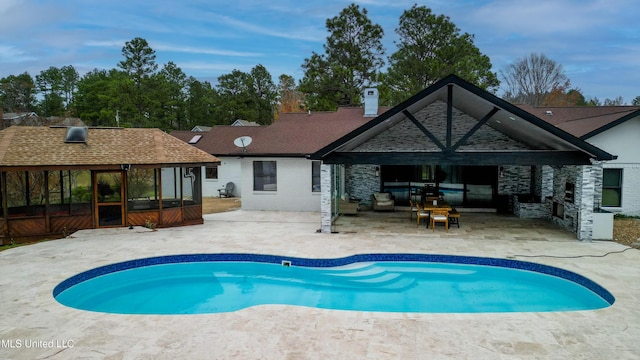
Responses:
[370,277]
[364,272]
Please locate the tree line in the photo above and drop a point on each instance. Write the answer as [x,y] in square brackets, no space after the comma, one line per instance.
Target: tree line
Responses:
[139,93]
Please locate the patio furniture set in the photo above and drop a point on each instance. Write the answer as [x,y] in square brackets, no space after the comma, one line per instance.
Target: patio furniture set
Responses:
[432,209]
[435,210]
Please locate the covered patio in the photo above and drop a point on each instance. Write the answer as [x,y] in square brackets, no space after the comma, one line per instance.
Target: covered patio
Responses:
[456,137]
[473,226]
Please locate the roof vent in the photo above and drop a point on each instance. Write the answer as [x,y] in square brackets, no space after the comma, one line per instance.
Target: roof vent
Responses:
[370,102]
[549,112]
[76,134]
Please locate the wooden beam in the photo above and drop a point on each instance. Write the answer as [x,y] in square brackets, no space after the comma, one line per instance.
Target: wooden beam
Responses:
[486,158]
[449,115]
[424,129]
[475,128]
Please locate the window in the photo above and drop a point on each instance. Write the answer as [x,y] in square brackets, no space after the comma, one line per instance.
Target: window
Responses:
[171,192]
[612,187]
[315,176]
[191,193]
[211,172]
[265,176]
[142,189]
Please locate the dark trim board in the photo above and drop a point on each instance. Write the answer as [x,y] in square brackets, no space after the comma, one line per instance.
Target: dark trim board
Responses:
[488,158]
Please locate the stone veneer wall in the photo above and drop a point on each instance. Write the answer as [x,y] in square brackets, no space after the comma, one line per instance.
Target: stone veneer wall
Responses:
[546,182]
[562,175]
[326,214]
[361,181]
[514,179]
[598,167]
[578,214]
[528,210]
[586,195]
[405,135]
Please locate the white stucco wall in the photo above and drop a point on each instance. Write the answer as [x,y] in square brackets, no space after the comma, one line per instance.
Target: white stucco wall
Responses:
[624,141]
[294,187]
[229,170]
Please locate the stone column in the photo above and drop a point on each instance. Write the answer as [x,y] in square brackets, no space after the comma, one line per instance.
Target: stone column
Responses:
[325,198]
[584,198]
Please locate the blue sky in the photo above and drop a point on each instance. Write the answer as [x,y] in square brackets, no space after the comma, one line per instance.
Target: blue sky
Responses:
[596,41]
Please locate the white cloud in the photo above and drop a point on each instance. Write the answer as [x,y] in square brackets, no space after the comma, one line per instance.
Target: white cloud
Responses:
[545,17]
[305,33]
[203,50]
[11,54]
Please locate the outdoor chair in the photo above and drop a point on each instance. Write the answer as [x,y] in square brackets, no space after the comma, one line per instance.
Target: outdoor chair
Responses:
[440,215]
[421,213]
[412,209]
[226,191]
[382,201]
[454,217]
[347,206]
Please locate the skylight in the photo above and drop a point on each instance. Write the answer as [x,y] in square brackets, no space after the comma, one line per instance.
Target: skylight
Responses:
[76,134]
[195,139]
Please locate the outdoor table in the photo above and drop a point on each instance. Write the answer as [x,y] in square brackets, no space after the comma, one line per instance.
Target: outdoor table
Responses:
[435,205]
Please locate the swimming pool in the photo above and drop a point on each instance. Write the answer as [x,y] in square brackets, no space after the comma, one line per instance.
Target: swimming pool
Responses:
[214,283]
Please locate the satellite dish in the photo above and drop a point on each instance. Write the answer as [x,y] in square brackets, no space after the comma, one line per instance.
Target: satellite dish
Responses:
[243,142]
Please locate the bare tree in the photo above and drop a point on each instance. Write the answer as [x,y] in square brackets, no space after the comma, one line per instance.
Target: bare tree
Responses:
[530,80]
[619,101]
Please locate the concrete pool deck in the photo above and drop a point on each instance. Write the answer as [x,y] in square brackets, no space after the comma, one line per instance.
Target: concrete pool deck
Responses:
[34,326]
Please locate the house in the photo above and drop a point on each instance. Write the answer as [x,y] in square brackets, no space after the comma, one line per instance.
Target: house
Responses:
[272,172]
[615,129]
[56,180]
[201,128]
[477,149]
[32,119]
[241,122]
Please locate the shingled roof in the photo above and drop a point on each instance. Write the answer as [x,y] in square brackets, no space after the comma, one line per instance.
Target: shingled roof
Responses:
[580,121]
[293,134]
[45,147]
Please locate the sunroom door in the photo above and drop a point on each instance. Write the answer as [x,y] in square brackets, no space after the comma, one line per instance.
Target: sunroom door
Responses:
[109,199]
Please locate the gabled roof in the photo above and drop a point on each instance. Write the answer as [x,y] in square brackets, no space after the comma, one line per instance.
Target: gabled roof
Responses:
[219,140]
[240,122]
[39,146]
[584,121]
[545,142]
[293,134]
[201,128]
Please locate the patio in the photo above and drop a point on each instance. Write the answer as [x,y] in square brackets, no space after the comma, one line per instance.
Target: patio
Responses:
[31,315]
[473,225]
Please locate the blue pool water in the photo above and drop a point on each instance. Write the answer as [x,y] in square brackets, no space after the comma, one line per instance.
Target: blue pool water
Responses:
[214,283]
